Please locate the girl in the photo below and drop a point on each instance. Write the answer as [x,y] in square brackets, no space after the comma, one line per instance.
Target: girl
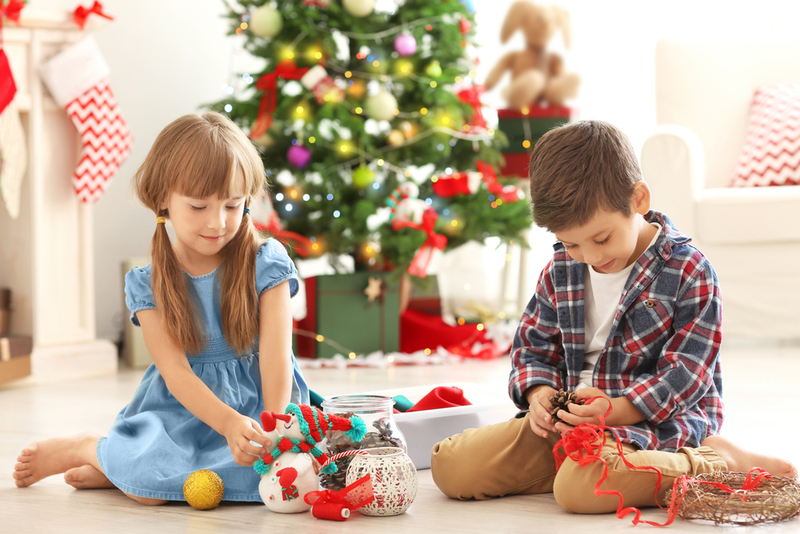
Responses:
[214,309]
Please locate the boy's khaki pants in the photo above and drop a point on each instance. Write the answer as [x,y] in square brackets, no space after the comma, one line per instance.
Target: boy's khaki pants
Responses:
[509,459]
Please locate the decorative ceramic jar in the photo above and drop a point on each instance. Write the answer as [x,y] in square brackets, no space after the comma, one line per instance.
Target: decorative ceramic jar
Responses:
[394,479]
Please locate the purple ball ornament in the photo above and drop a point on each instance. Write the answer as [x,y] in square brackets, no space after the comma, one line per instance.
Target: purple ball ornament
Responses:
[298,156]
[405,45]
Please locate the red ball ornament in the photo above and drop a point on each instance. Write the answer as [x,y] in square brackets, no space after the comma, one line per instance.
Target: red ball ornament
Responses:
[465,25]
[405,45]
[298,156]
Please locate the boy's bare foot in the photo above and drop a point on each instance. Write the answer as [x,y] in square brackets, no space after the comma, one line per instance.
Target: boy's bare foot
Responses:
[741,460]
[87,477]
[53,456]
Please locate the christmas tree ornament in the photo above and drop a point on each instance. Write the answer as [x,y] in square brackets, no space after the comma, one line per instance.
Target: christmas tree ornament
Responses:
[268,83]
[405,45]
[359,8]
[78,80]
[323,86]
[265,22]
[357,89]
[264,141]
[459,183]
[395,138]
[381,106]
[298,156]
[203,489]
[464,25]
[362,177]
[433,69]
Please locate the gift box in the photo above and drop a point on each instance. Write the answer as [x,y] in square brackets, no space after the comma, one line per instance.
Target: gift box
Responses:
[357,312]
[523,128]
[15,357]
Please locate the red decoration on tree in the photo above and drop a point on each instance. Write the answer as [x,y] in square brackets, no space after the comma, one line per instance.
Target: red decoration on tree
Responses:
[460,183]
[419,265]
[12,10]
[81,13]
[472,96]
[508,193]
[287,70]
[464,25]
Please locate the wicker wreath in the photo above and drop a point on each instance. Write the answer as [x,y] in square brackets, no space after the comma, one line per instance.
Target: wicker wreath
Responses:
[775,499]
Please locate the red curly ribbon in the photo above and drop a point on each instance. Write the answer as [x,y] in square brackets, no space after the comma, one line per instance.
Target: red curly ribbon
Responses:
[81,13]
[356,495]
[287,70]
[583,443]
[472,96]
[12,10]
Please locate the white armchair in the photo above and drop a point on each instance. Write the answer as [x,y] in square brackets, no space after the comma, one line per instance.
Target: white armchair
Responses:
[751,235]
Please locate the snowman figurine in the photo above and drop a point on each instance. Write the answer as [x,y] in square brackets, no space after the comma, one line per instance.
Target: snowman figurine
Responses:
[288,472]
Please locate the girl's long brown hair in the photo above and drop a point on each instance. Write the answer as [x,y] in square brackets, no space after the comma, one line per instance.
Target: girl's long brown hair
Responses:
[199,156]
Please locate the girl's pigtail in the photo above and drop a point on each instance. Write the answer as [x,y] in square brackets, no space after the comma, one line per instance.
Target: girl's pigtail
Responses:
[171,295]
[239,306]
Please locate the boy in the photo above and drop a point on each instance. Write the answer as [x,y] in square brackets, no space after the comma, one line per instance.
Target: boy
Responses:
[626,310]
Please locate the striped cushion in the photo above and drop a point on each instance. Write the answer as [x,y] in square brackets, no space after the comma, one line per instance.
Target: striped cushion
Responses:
[771,153]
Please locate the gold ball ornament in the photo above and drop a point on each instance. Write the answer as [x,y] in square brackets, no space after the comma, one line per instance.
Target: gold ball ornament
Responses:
[381,107]
[203,489]
[395,138]
[359,8]
[266,22]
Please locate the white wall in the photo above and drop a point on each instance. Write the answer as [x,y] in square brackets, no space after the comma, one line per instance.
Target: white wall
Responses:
[168,57]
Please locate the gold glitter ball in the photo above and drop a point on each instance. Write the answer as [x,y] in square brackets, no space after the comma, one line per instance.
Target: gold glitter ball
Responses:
[203,489]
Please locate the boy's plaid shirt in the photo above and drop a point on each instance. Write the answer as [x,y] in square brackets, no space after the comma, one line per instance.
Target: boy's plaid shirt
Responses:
[663,350]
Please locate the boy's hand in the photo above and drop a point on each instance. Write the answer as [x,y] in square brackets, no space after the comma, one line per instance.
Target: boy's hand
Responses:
[540,418]
[584,413]
[239,434]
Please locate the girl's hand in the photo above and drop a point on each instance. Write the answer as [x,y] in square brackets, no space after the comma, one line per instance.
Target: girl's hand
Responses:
[239,433]
[540,418]
[579,414]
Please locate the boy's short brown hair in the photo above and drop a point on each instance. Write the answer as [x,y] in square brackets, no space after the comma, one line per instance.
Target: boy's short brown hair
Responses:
[579,168]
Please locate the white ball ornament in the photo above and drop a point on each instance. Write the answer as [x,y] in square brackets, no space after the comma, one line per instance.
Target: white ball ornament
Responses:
[381,106]
[265,22]
[359,8]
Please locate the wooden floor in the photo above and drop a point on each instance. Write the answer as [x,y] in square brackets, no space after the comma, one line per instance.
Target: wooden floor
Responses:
[761,395]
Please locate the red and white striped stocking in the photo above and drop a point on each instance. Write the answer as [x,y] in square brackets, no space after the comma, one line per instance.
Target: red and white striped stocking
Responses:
[78,80]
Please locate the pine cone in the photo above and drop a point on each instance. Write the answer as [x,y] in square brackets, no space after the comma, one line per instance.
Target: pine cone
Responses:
[561,401]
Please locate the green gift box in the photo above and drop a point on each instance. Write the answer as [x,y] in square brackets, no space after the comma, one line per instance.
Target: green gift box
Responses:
[524,128]
[342,318]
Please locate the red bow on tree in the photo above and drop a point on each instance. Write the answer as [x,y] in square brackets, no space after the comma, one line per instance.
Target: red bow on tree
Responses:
[286,69]
[472,96]
[507,193]
[12,10]
[81,14]
[419,265]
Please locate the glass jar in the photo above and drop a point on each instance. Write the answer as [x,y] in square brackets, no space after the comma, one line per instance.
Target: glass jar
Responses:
[394,480]
[382,431]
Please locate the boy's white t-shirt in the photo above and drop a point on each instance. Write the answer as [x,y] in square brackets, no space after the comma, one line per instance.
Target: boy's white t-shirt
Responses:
[601,298]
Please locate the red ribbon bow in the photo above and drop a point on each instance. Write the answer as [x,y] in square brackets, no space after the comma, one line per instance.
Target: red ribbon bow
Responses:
[12,10]
[507,194]
[472,96]
[419,265]
[81,14]
[286,69]
[301,244]
[356,495]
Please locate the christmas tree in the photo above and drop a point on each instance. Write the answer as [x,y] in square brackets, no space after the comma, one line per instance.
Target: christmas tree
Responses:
[370,126]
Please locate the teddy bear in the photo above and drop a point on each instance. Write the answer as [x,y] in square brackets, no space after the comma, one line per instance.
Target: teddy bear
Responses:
[537,76]
[288,471]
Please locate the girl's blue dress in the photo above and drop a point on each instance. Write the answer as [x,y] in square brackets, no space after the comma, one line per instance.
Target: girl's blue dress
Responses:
[155,443]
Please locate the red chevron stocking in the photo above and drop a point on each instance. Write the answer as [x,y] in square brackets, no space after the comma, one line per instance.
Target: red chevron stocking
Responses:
[78,80]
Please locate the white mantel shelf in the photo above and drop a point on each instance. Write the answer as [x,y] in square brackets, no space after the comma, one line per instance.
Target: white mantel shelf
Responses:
[46,254]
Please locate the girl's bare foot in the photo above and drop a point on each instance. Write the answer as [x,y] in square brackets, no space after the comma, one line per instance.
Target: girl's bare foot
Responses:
[87,477]
[741,460]
[53,456]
